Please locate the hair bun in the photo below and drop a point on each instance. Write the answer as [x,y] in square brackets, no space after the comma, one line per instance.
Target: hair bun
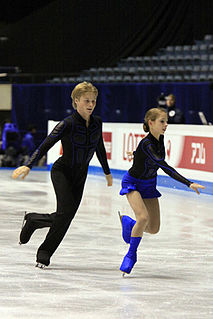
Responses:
[145,127]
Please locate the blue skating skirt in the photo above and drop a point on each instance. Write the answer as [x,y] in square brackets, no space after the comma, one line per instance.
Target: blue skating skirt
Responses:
[146,187]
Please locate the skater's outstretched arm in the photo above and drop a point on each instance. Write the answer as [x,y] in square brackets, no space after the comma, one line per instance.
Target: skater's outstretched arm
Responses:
[21,170]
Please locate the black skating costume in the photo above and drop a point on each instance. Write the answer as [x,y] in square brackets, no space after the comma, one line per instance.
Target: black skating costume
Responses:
[68,175]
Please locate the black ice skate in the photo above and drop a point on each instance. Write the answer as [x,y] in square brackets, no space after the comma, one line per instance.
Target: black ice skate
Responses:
[28,228]
[43,259]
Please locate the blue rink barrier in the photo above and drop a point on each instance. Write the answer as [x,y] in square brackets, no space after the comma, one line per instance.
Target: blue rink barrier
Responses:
[164,181]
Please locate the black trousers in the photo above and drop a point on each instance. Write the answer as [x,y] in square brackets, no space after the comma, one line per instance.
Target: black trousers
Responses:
[68,185]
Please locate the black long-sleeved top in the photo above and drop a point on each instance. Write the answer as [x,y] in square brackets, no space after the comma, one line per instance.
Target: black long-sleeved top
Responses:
[79,143]
[149,157]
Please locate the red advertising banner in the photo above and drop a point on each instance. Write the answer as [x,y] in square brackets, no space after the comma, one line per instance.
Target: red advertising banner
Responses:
[107,137]
[197,153]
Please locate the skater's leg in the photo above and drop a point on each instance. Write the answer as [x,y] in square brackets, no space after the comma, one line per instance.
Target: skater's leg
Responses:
[142,216]
[33,221]
[152,206]
[68,197]
[153,226]
[142,219]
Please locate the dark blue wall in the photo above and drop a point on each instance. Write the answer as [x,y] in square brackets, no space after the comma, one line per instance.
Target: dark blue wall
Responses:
[38,103]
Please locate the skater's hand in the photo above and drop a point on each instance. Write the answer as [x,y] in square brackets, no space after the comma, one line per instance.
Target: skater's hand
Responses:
[195,187]
[21,170]
[109,179]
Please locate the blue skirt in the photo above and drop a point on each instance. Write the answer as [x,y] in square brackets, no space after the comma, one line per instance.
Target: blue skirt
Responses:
[146,187]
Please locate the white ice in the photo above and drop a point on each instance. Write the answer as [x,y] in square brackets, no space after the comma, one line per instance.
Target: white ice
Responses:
[172,279]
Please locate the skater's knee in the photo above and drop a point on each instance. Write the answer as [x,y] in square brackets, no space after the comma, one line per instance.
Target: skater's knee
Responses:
[153,229]
[142,219]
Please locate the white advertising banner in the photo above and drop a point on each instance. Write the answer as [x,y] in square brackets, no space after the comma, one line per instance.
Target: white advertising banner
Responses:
[189,148]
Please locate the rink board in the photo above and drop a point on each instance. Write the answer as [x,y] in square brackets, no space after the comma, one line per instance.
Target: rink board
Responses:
[188,149]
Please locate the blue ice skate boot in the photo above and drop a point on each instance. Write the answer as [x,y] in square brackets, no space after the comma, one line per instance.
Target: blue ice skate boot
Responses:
[127,225]
[131,257]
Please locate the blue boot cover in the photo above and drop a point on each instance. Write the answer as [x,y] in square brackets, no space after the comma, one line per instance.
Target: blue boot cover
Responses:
[127,225]
[131,257]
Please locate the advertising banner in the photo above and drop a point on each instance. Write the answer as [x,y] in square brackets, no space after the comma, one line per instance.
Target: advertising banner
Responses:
[187,146]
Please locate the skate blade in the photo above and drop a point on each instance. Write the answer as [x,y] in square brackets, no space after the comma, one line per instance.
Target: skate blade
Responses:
[119,214]
[39,265]
[25,213]
[22,226]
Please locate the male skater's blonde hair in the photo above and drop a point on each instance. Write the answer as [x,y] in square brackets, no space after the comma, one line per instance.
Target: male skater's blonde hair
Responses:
[80,89]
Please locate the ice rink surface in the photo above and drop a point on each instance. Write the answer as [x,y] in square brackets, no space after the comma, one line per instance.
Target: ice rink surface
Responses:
[173,278]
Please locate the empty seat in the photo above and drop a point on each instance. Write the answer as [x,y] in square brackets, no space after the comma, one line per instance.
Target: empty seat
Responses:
[139,60]
[208,38]
[188,58]
[144,78]
[187,49]
[194,77]
[148,69]
[140,70]
[178,77]
[93,70]
[178,49]
[170,49]
[156,69]
[72,79]
[127,78]
[136,78]
[133,70]
[118,78]
[109,71]
[169,78]
[204,68]
[210,47]
[196,68]
[124,70]
[180,58]
[180,68]
[187,77]
[164,69]
[95,78]
[161,78]
[111,78]
[204,58]
[195,48]
[103,78]
[101,70]
[203,76]
[155,60]
[170,59]
[203,47]
[196,58]
[210,77]
[147,60]
[151,78]
[162,59]
[188,68]
[171,69]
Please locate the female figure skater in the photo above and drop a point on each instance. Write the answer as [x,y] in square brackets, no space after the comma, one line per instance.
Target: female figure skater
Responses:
[81,136]
[139,185]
